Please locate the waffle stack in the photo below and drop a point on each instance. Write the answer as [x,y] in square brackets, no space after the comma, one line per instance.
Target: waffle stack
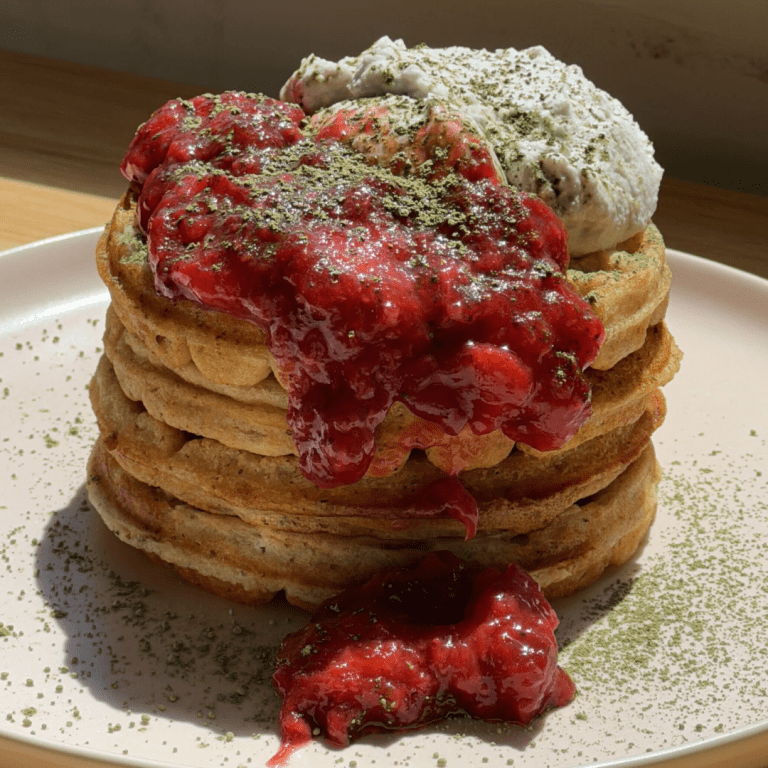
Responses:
[195,464]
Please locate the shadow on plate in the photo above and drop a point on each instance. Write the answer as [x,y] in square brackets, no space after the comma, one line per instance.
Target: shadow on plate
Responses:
[143,640]
[589,606]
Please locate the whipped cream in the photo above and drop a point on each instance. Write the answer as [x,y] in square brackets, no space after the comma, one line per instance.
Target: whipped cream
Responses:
[555,133]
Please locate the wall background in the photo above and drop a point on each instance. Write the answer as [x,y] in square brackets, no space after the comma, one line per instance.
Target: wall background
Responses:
[693,72]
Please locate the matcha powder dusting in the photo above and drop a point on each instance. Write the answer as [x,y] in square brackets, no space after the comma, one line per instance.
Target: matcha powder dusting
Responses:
[680,638]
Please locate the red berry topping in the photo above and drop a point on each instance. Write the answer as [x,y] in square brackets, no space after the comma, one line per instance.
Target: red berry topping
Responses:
[440,287]
[415,645]
[231,130]
[401,133]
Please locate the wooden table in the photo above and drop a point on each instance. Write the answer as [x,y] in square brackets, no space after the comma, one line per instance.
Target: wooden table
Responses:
[63,131]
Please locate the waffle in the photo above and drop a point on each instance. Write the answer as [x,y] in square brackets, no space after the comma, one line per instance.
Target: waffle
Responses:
[254,418]
[628,288]
[196,466]
[212,374]
[238,560]
[519,494]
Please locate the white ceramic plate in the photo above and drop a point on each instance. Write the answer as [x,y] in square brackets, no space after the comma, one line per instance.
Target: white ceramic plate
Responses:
[107,659]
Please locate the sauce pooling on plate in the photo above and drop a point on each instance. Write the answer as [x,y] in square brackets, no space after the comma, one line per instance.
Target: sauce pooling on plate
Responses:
[416,645]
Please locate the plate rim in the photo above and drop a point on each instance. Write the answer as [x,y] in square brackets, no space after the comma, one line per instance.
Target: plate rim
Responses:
[718,745]
[52,240]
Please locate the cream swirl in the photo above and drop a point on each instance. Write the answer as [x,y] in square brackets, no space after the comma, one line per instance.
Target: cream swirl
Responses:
[554,132]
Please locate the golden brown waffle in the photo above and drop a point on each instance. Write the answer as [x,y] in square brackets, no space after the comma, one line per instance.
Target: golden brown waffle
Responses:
[242,561]
[628,287]
[196,465]
[254,418]
[518,495]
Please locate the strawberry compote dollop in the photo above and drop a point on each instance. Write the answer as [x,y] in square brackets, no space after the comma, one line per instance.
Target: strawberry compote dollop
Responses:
[430,283]
[416,645]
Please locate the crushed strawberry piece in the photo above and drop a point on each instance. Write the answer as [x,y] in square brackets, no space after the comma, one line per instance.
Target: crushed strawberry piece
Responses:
[233,131]
[415,645]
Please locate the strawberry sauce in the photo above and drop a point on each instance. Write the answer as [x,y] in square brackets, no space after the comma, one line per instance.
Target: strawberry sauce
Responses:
[416,645]
[431,282]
